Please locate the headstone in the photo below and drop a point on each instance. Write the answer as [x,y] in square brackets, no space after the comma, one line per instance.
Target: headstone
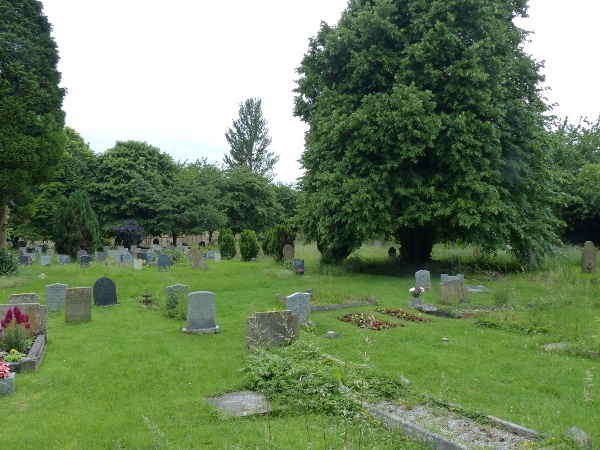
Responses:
[112,254]
[137,264]
[416,302]
[19,299]
[127,259]
[288,252]
[78,304]
[105,292]
[273,328]
[24,260]
[45,260]
[38,317]
[38,250]
[298,266]
[377,245]
[195,257]
[299,303]
[133,249]
[150,258]
[453,291]
[50,252]
[85,260]
[217,257]
[423,279]
[210,254]
[55,296]
[106,249]
[445,277]
[102,256]
[81,253]
[142,255]
[201,313]
[164,262]
[120,249]
[64,259]
[32,256]
[588,258]
[23,250]
[156,247]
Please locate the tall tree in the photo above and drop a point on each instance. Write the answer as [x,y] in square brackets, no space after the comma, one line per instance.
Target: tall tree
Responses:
[249,140]
[31,136]
[425,123]
[75,225]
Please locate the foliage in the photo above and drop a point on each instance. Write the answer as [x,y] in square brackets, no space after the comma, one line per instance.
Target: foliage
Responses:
[8,263]
[402,315]
[249,246]
[128,234]
[249,141]
[12,334]
[75,225]
[4,370]
[276,239]
[176,306]
[31,115]
[227,244]
[369,321]
[419,129]
[288,196]
[14,356]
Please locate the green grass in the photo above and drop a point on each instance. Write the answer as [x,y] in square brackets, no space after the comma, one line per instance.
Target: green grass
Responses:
[130,379]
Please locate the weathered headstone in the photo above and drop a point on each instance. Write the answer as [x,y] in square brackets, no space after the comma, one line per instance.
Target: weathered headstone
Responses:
[19,299]
[112,254]
[37,317]
[210,254]
[137,264]
[127,259]
[201,313]
[453,291]
[423,279]
[298,266]
[288,252]
[120,249]
[55,296]
[105,292]
[81,253]
[50,252]
[64,259]
[273,328]
[217,257]
[164,262]
[22,250]
[195,258]
[142,255]
[38,250]
[588,258]
[176,294]
[416,302]
[85,260]
[150,258]
[24,260]
[45,260]
[101,256]
[32,256]
[78,304]
[299,303]
[445,277]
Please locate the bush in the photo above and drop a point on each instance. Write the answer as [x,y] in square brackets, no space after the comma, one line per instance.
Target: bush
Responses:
[249,246]
[277,238]
[227,244]
[8,263]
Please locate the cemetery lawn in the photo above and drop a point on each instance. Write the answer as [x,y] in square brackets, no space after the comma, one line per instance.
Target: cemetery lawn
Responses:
[130,378]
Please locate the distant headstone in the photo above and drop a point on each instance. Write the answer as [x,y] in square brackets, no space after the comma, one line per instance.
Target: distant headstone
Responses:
[164,262]
[50,252]
[201,313]
[37,317]
[102,256]
[377,245]
[137,264]
[127,259]
[288,252]
[85,260]
[150,258]
[298,266]
[156,247]
[19,299]
[112,254]
[23,250]
[38,250]
[64,259]
[217,257]
[273,328]
[24,260]
[32,256]
[210,254]
[120,249]
[81,253]
[142,255]
[195,257]
[423,279]
[453,291]
[45,260]
[78,304]
[588,258]
[416,302]
[55,296]
[299,303]
[105,292]
[445,277]
[133,249]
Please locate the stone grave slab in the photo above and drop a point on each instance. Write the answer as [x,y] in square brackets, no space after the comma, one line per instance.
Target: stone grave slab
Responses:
[105,292]
[137,264]
[55,296]
[38,250]
[195,258]
[64,259]
[85,260]
[241,403]
[81,253]
[217,257]
[50,252]
[150,258]
[453,291]
[19,299]
[176,294]
[299,303]
[423,279]
[38,316]
[272,328]
[164,262]
[201,313]
[32,256]
[210,254]
[78,304]
[288,252]
[445,277]
[588,258]
[24,260]
[45,260]
[127,259]
[142,255]
[101,256]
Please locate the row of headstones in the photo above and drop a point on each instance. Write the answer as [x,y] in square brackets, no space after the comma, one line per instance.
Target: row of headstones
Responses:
[452,287]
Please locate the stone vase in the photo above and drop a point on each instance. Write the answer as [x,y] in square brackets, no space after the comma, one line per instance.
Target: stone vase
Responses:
[7,385]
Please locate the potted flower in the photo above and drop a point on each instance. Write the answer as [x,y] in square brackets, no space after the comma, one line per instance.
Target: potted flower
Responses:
[417,291]
[7,379]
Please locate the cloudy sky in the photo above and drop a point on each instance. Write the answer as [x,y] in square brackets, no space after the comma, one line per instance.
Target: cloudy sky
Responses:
[173,74]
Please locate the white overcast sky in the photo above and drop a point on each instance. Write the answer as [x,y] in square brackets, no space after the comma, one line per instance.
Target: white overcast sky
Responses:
[173,73]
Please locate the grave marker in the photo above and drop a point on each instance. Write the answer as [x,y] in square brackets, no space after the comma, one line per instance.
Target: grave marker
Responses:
[50,252]
[55,296]
[105,292]
[127,259]
[217,257]
[137,264]
[164,262]
[78,304]
[101,256]
[423,279]
[201,313]
[298,266]
[19,299]
[210,254]
[588,258]
[38,250]
[64,259]
[273,328]
[24,260]
[85,260]
[195,258]
[45,260]
[288,252]
[453,291]
[299,303]
[81,253]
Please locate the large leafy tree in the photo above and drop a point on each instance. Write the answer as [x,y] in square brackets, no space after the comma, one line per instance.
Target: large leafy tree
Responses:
[425,123]
[31,134]
[249,140]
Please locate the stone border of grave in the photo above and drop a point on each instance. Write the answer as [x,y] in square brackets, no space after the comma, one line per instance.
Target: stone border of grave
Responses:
[371,301]
[34,356]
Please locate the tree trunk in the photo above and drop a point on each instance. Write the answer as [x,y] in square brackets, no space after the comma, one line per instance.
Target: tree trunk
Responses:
[174,239]
[416,244]
[3,220]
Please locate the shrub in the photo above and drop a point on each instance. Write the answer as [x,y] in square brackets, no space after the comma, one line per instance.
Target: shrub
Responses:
[8,263]
[249,246]
[227,244]
[128,234]
[277,238]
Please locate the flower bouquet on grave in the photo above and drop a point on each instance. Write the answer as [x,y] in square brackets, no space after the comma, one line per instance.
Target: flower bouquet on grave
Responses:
[417,291]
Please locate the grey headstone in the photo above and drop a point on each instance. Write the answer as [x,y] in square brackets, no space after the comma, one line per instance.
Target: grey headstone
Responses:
[416,302]
[588,258]
[50,252]
[445,277]
[45,260]
[102,256]
[195,258]
[78,304]
[120,249]
[142,255]
[38,316]
[299,303]
[241,403]
[288,252]
[273,328]
[217,257]
[298,265]
[150,258]
[38,250]
[112,254]
[105,292]
[23,250]
[64,259]
[453,291]
[201,313]
[177,293]
[164,262]
[137,264]
[81,253]
[32,256]
[423,279]
[127,259]
[24,260]
[55,296]
[19,299]
[85,260]
[377,245]
[210,254]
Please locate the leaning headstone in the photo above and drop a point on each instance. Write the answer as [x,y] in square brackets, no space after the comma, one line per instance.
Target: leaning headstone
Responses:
[64,259]
[81,253]
[273,328]
[423,279]
[55,296]
[201,313]
[45,260]
[78,304]
[453,291]
[127,259]
[19,299]
[588,258]
[24,260]
[137,264]
[37,317]
[105,292]
[299,303]
[195,257]
[164,262]
[288,252]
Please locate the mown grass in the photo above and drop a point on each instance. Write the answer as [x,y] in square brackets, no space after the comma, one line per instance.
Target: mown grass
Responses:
[130,379]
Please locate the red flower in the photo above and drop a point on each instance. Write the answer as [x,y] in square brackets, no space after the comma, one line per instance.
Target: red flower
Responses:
[27,325]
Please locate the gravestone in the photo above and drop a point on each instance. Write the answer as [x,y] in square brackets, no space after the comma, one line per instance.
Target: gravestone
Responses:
[156,247]
[150,258]
[288,252]
[45,260]
[120,249]
[112,254]
[106,249]
[423,279]
[78,304]
[453,291]
[217,257]
[81,253]
[19,299]
[32,256]
[142,255]
[127,259]
[24,260]
[195,258]
[50,252]
[64,259]
[22,250]
[416,302]
[55,296]
[37,317]
[273,328]
[85,260]
[105,292]
[164,262]
[445,277]
[201,313]
[377,245]
[299,303]
[133,249]
[210,254]
[102,256]
[137,264]
[298,266]
[38,250]
[588,258]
